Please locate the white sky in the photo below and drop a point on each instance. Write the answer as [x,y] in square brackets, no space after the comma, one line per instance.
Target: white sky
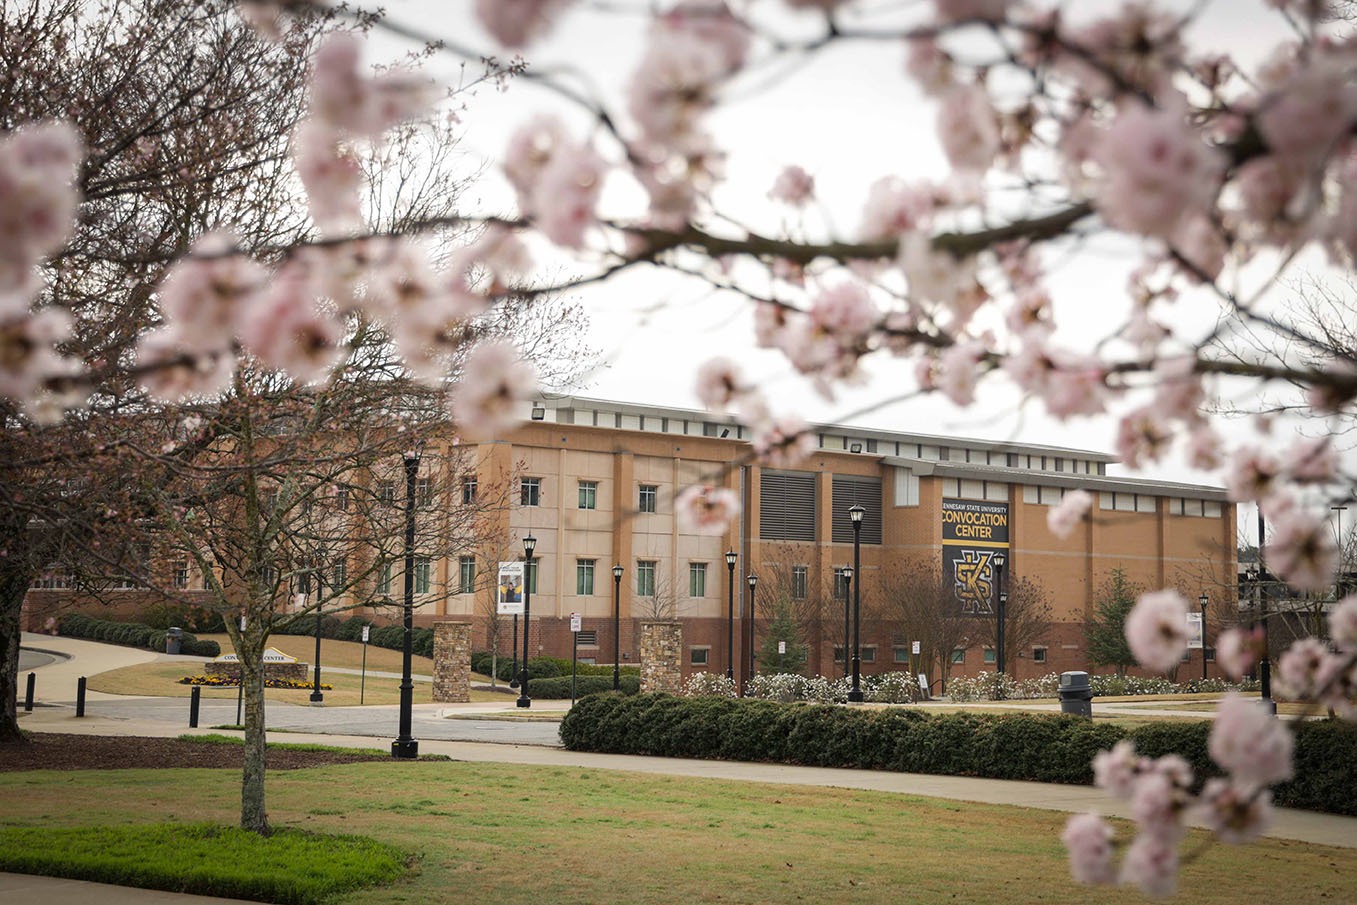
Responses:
[848,116]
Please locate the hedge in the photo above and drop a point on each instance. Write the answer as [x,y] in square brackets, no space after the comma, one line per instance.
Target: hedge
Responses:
[1023,746]
[391,637]
[132,634]
[556,689]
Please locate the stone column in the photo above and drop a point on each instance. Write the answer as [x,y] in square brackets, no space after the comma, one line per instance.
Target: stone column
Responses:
[452,662]
[661,657]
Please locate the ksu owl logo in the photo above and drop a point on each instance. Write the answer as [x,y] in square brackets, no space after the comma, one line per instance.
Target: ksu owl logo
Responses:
[973,582]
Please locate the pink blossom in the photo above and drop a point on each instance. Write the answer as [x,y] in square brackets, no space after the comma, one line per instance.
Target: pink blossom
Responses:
[1343,624]
[493,385]
[895,207]
[933,275]
[708,22]
[1072,510]
[28,353]
[204,294]
[719,383]
[770,324]
[784,441]
[1311,111]
[1142,436]
[1266,186]
[968,128]
[1115,771]
[928,64]
[176,371]
[673,88]
[1156,630]
[1075,386]
[1233,814]
[1303,550]
[962,10]
[1252,475]
[1203,448]
[1151,863]
[514,23]
[1202,245]
[530,148]
[1237,651]
[347,101]
[1301,668]
[564,196]
[958,371]
[1250,743]
[1156,171]
[286,331]
[846,310]
[1312,461]
[794,186]
[703,509]
[38,200]
[1088,839]
[1155,803]
[331,176]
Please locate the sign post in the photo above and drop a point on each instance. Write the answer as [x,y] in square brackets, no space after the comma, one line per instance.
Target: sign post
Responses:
[363,680]
[914,650]
[576,623]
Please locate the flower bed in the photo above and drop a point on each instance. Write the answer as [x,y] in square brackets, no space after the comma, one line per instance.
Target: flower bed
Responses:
[233,682]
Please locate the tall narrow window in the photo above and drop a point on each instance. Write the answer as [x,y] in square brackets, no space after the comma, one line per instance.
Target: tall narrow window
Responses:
[469,489]
[384,579]
[840,584]
[588,494]
[423,570]
[339,576]
[584,577]
[467,585]
[697,579]
[646,499]
[530,491]
[181,574]
[800,574]
[386,492]
[645,578]
[342,497]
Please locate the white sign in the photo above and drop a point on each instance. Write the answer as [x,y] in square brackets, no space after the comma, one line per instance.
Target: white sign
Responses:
[1194,631]
[576,622]
[509,594]
[242,622]
[923,683]
[782,647]
[272,655]
[915,647]
[367,630]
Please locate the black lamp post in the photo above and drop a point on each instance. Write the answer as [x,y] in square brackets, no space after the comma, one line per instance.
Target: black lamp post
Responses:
[1202,600]
[847,574]
[405,746]
[855,693]
[529,544]
[617,627]
[316,696]
[513,673]
[999,611]
[730,615]
[1264,663]
[753,580]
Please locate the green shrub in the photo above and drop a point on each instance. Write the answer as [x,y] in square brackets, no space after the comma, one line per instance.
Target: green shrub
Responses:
[558,688]
[1022,746]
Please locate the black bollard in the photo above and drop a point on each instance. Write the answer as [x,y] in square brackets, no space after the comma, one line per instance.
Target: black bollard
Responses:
[28,696]
[240,696]
[80,697]
[193,706]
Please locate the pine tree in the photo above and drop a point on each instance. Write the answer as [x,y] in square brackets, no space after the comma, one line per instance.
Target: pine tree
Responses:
[783,627]
[1104,631]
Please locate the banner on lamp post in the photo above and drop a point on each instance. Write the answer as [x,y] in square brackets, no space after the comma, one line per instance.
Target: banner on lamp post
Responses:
[509,591]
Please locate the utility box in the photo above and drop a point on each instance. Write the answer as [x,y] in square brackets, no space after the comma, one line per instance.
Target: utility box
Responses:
[1076,694]
[174,639]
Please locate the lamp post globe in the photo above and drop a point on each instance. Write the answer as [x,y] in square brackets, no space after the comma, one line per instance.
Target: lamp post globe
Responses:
[753,580]
[731,556]
[855,513]
[529,544]
[617,627]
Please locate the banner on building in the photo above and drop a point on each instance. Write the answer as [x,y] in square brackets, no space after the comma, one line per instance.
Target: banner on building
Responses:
[509,599]
[973,532]
[1195,634]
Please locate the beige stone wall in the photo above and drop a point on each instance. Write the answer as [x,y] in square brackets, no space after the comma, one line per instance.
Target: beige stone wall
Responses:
[661,657]
[452,662]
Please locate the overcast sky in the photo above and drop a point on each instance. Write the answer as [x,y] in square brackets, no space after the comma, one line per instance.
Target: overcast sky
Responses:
[847,116]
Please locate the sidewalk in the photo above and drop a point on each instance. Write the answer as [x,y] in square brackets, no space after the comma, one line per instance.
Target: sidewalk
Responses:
[58,891]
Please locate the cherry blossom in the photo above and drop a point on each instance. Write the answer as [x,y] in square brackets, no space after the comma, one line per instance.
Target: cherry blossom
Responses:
[1252,475]
[703,509]
[1237,651]
[176,371]
[1307,114]
[1089,841]
[495,381]
[1303,550]
[794,186]
[1235,815]
[286,330]
[1343,624]
[1151,863]
[1312,461]
[1302,669]
[968,128]
[1155,802]
[38,202]
[1063,518]
[1156,629]
[719,383]
[1116,770]
[563,199]
[515,23]
[1250,743]
[783,441]
[961,10]
[895,207]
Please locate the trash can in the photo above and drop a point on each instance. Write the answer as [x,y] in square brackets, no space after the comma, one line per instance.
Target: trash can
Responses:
[173,639]
[1076,694]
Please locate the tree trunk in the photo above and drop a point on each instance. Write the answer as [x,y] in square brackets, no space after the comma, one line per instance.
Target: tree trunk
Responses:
[253,815]
[12,592]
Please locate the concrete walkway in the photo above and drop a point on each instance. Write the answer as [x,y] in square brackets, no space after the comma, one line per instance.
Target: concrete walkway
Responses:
[57,891]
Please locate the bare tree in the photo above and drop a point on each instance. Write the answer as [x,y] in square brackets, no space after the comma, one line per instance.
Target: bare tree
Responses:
[919,599]
[1027,619]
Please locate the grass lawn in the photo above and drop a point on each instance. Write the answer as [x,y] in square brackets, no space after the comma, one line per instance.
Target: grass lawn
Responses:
[346,654]
[530,835]
[1284,707]
[162,680]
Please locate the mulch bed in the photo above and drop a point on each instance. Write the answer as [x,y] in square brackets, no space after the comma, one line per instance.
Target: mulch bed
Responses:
[60,751]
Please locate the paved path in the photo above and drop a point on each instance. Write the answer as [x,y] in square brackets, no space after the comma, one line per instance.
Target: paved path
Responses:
[56,891]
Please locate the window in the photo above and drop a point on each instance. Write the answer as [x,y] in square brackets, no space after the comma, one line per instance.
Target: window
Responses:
[423,492]
[900,654]
[384,579]
[588,494]
[342,497]
[469,489]
[339,576]
[181,574]
[1038,655]
[467,584]
[698,655]
[584,577]
[587,638]
[530,491]
[799,576]
[646,500]
[958,655]
[989,655]
[840,584]
[1210,654]
[645,578]
[422,569]
[867,654]
[386,492]
[838,654]
[697,579]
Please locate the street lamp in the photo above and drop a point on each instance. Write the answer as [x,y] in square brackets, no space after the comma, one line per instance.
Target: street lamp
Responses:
[999,653]
[847,574]
[617,627]
[405,746]
[513,672]
[529,544]
[1264,664]
[731,556]
[855,513]
[1202,600]
[316,697]
[753,580]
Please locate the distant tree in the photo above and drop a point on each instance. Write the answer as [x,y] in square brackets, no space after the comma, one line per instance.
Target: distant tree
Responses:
[1104,630]
[1027,619]
[919,605]
[783,627]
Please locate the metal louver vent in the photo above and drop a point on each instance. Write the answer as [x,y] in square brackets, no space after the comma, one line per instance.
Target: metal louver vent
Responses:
[864,492]
[787,506]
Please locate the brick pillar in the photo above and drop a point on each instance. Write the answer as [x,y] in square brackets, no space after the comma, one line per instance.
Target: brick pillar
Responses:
[452,662]
[661,657]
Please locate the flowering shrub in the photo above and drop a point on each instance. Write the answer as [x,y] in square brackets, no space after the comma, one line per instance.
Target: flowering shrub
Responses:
[891,688]
[232,682]
[708,684]
[987,686]
[786,687]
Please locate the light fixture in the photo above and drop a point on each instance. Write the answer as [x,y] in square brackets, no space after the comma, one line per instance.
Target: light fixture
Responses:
[856,447]
[538,413]
[529,544]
